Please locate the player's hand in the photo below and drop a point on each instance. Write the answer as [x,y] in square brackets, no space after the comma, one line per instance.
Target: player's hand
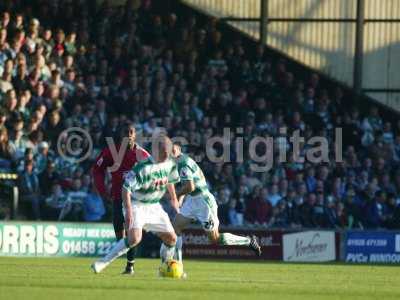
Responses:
[180,200]
[175,205]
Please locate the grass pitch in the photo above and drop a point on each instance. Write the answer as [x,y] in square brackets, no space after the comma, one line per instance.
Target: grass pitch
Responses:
[71,278]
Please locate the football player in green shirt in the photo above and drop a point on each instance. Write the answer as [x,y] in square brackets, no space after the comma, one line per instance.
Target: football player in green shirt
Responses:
[200,205]
[143,188]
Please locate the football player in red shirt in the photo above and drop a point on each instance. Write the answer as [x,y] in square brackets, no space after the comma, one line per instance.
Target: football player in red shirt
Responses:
[109,158]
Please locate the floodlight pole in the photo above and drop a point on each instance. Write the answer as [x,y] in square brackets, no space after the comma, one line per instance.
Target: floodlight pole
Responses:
[263,21]
[359,48]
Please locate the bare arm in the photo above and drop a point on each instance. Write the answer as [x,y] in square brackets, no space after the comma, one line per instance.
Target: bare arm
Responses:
[99,170]
[187,188]
[173,197]
[126,198]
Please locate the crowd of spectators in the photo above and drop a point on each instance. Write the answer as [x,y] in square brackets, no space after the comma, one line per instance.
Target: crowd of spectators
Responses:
[77,64]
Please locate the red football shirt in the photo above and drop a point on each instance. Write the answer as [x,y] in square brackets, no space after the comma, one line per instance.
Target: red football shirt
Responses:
[106,160]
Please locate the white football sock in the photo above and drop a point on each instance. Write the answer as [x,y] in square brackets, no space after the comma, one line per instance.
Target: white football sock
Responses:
[167,252]
[178,249]
[231,239]
[119,249]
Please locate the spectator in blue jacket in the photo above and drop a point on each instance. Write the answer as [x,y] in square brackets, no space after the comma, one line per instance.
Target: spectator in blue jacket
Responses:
[93,207]
[376,211]
[30,189]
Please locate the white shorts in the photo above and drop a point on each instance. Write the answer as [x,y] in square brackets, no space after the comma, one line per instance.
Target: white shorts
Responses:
[202,208]
[150,217]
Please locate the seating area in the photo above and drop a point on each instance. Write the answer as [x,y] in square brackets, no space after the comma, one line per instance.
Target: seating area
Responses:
[70,64]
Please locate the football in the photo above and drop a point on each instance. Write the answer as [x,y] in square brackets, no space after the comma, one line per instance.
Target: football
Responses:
[171,269]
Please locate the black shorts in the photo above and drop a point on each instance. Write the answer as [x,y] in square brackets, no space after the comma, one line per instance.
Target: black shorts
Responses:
[118,216]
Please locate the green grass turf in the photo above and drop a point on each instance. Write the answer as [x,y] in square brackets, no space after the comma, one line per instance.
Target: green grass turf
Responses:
[71,278]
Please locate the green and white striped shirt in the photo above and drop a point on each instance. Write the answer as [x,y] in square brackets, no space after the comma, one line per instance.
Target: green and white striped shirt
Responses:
[190,170]
[147,181]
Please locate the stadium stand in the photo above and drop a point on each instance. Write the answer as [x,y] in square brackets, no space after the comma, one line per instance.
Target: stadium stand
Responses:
[75,64]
